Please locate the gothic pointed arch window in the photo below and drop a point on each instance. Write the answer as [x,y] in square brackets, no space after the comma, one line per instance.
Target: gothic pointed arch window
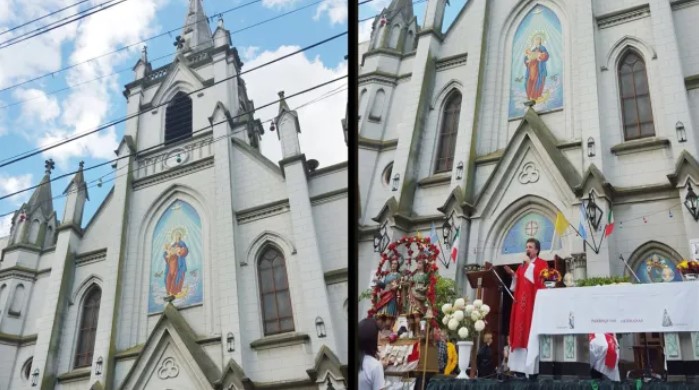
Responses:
[3,294]
[447,133]
[277,316]
[377,106]
[637,114]
[88,327]
[395,37]
[34,232]
[362,101]
[17,301]
[178,118]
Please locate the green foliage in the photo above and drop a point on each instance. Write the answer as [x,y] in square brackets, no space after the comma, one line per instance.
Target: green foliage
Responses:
[602,281]
[366,294]
[445,292]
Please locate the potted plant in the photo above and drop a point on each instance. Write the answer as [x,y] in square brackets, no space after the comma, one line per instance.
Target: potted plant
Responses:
[464,321]
[689,269]
[602,281]
[550,276]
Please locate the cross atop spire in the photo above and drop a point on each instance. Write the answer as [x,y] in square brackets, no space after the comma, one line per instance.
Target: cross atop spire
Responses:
[49,165]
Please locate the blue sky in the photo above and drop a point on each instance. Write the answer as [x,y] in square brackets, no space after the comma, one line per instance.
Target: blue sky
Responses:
[33,114]
[375,7]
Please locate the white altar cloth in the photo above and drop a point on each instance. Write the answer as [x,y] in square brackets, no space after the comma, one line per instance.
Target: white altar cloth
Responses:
[619,308]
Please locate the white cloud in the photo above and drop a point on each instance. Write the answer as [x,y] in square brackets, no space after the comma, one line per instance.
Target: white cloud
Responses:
[37,106]
[89,104]
[5,225]
[279,3]
[364,33]
[336,10]
[37,55]
[321,129]
[11,184]
[249,52]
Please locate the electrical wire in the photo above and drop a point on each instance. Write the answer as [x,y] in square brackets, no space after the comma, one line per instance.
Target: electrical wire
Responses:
[135,154]
[100,182]
[72,87]
[112,123]
[169,32]
[64,22]
[43,17]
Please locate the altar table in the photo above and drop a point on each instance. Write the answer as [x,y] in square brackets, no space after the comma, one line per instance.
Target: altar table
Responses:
[445,383]
[619,308]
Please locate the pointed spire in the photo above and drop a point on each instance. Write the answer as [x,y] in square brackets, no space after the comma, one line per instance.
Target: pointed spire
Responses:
[197,32]
[144,54]
[78,182]
[400,7]
[42,198]
[283,106]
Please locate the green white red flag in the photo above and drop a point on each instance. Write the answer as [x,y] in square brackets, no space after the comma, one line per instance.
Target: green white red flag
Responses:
[610,224]
[455,246]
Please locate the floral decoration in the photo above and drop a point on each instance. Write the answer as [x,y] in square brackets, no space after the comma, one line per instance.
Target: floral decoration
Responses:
[463,319]
[688,267]
[550,275]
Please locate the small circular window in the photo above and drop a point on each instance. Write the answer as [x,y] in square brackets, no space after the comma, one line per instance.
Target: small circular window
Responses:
[386,176]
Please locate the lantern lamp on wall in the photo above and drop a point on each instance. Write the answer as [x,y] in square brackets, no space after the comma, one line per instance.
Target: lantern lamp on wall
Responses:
[459,170]
[448,229]
[230,342]
[320,327]
[396,181]
[381,239]
[590,147]
[35,377]
[98,366]
[593,211]
[691,202]
[681,132]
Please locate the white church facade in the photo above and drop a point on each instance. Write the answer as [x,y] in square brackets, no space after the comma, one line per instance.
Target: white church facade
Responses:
[207,266]
[521,110]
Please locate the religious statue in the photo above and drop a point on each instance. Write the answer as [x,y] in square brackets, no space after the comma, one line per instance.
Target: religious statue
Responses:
[387,304]
[418,291]
[535,58]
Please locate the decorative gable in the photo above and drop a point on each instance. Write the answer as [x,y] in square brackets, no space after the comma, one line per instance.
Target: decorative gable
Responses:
[171,358]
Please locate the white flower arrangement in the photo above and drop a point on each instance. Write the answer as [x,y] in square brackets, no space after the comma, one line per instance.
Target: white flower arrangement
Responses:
[468,318]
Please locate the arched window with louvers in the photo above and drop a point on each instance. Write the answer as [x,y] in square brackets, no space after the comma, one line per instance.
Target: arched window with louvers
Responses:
[178,118]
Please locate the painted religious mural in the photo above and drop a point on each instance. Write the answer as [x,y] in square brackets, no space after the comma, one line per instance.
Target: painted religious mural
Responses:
[657,268]
[530,225]
[537,63]
[176,259]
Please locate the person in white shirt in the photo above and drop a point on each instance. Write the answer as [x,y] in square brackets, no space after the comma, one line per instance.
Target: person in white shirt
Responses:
[370,369]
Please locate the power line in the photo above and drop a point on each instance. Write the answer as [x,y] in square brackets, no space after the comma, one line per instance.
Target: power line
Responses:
[112,123]
[43,17]
[193,133]
[100,182]
[121,49]
[372,17]
[153,60]
[65,21]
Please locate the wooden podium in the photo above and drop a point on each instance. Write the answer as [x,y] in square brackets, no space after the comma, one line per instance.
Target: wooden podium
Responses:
[489,289]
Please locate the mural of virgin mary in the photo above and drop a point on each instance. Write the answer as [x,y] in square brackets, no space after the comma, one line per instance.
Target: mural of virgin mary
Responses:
[177,252]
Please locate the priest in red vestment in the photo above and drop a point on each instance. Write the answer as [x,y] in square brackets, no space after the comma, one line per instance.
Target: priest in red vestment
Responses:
[525,283]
